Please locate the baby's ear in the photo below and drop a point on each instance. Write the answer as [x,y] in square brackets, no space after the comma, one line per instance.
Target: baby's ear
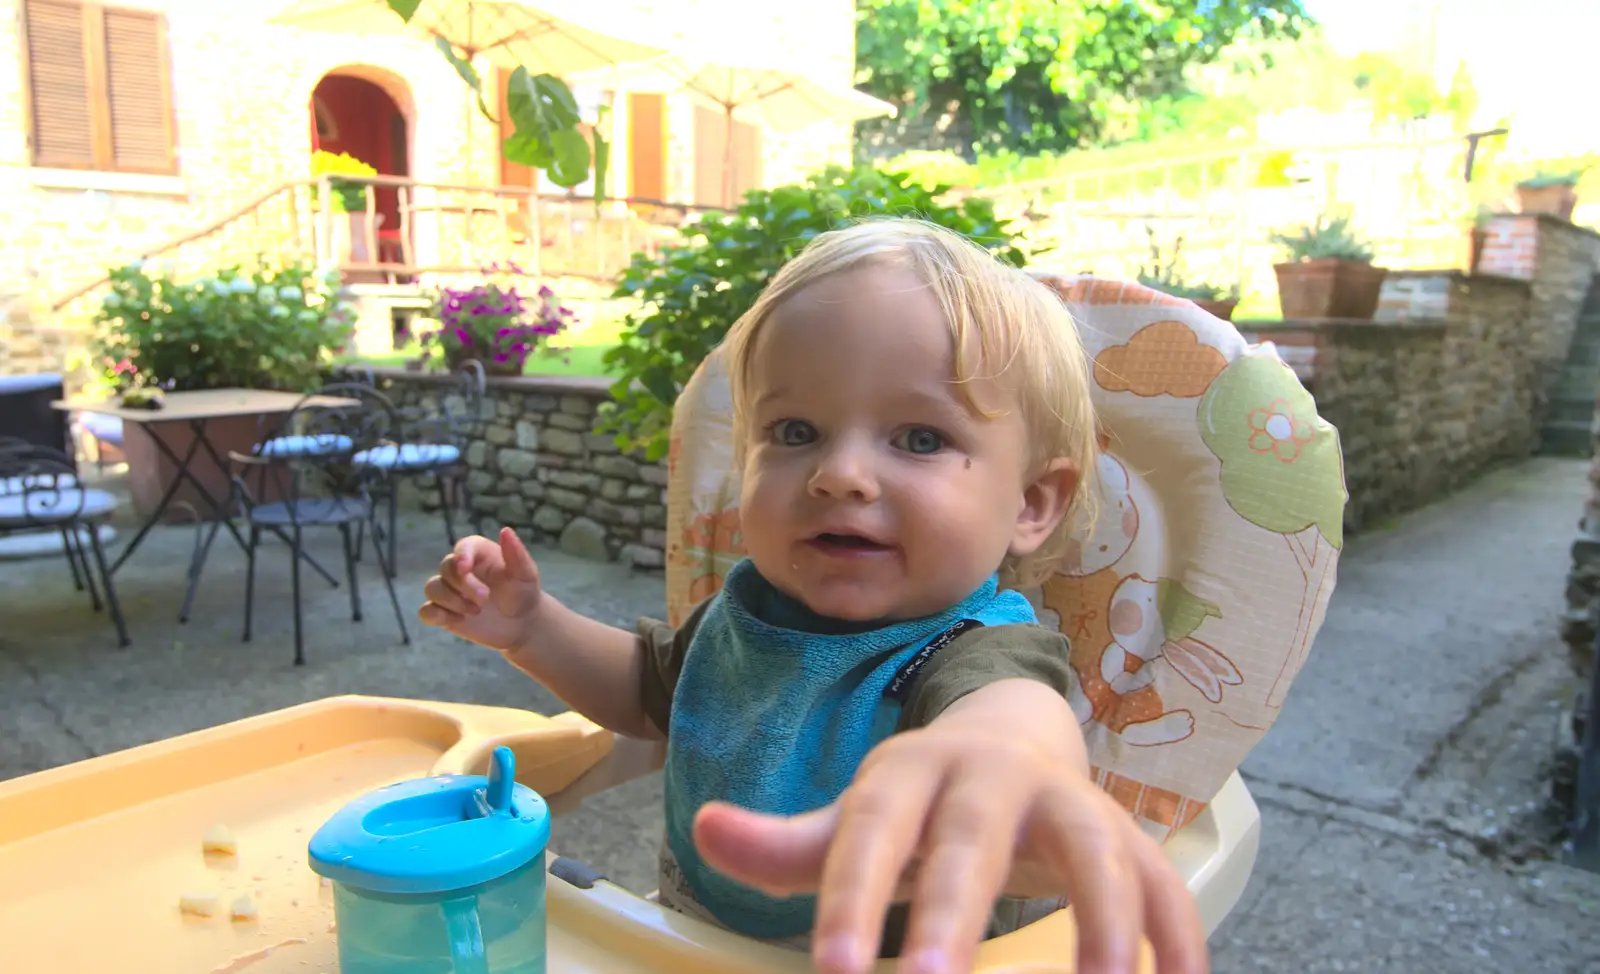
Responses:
[1044,503]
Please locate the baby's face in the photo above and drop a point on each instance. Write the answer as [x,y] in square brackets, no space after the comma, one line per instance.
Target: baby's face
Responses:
[870,491]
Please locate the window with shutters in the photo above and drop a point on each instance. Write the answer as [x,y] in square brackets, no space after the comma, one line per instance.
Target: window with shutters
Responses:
[99,88]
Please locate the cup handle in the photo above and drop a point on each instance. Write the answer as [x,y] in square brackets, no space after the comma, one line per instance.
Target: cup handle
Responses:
[461,922]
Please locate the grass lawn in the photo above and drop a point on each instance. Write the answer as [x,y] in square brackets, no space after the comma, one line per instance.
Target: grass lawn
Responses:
[579,360]
[583,349]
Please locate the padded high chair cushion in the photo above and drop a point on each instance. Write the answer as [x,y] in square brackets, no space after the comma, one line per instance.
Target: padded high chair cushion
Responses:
[1193,602]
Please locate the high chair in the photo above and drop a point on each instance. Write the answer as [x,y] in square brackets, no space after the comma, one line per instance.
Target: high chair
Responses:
[1190,605]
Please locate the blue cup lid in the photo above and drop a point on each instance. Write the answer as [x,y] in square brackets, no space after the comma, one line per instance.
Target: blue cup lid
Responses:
[435,835]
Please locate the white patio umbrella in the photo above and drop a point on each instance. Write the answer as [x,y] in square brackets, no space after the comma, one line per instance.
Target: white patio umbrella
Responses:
[776,98]
[508,33]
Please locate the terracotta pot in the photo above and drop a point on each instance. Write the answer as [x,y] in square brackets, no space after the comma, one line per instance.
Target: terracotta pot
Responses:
[1222,309]
[1329,288]
[1558,201]
[150,472]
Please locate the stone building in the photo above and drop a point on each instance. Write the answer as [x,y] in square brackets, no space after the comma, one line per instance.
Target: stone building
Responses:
[128,127]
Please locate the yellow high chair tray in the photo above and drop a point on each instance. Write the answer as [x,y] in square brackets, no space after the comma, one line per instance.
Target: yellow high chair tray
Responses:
[96,857]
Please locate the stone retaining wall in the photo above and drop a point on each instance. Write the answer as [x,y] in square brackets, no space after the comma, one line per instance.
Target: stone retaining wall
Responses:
[1445,381]
[1438,387]
[540,467]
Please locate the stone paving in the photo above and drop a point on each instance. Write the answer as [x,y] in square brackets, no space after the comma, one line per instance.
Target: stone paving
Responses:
[1400,790]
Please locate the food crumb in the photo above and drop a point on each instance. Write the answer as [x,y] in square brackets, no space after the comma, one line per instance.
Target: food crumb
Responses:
[198,904]
[243,909]
[219,839]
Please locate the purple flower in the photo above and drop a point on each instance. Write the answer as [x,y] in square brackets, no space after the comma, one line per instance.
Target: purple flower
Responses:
[545,292]
[463,336]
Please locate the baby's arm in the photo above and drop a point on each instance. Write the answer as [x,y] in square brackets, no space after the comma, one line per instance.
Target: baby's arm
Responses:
[596,669]
[1022,713]
[489,591]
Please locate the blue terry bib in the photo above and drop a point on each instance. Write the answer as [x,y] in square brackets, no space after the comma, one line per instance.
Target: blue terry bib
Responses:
[775,710]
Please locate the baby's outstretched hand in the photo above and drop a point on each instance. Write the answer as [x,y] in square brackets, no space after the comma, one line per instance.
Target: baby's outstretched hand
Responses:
[486,591]
[950,817]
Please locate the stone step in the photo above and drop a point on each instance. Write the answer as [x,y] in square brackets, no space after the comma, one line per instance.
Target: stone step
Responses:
[1566,438]
[1571,410]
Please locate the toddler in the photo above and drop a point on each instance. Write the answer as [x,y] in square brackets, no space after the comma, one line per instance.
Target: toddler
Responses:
[869,747]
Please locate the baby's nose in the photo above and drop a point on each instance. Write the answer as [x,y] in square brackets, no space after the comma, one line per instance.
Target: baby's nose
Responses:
[846,471]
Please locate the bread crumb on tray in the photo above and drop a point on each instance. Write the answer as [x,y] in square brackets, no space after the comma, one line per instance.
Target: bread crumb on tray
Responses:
[243,910]
[219,840]
[198,904]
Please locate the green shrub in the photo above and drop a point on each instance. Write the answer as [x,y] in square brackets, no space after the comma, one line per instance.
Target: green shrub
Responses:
[1325,238]
[692,292]
[271,328]
[1162,274]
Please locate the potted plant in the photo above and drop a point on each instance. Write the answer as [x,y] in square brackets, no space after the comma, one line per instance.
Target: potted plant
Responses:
[273,327]
[1162,275]
[495,323]
[1329,272]
[349,197]
[1555,193]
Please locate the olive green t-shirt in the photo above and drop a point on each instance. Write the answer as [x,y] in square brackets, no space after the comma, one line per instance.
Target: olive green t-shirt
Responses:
[970,662]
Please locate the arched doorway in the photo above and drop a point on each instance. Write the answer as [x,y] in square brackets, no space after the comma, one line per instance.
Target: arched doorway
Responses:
[364,114]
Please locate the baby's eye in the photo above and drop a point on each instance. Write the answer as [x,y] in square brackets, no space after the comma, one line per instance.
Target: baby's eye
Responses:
[793,432]
[920,440]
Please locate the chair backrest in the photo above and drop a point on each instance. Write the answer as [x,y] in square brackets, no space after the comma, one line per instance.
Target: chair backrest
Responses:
[26,413]
[1193,601]
[329,428]
[38,486]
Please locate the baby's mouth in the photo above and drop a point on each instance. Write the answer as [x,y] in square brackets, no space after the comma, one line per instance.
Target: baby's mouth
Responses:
[833,543]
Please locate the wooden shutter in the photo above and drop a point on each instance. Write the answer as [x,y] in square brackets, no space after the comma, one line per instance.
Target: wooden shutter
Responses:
[62,113]
[99,88]
[137,91]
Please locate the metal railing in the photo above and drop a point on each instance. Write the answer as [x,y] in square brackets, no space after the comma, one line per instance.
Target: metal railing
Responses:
[438,230]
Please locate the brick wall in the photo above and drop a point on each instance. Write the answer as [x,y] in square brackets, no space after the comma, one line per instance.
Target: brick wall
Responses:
[1558,259]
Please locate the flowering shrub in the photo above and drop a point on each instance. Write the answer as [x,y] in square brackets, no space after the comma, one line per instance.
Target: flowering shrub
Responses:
[270,328]
[496,324]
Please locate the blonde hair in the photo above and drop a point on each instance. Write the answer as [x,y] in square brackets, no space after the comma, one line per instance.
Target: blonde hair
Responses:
[1004,324]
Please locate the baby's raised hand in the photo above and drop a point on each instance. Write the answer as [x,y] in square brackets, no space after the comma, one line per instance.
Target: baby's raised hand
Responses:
[486,591]
[949,817]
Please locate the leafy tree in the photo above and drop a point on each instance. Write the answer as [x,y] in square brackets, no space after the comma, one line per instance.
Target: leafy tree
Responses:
[544,112]
[1037,75]
[692,293]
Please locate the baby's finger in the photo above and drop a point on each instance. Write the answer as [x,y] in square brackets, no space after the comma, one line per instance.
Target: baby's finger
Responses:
[1081,831]
[519,563]
[455,572]
[1172,920]
[880,822]
[968,846]
[434,614]
[446,596]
